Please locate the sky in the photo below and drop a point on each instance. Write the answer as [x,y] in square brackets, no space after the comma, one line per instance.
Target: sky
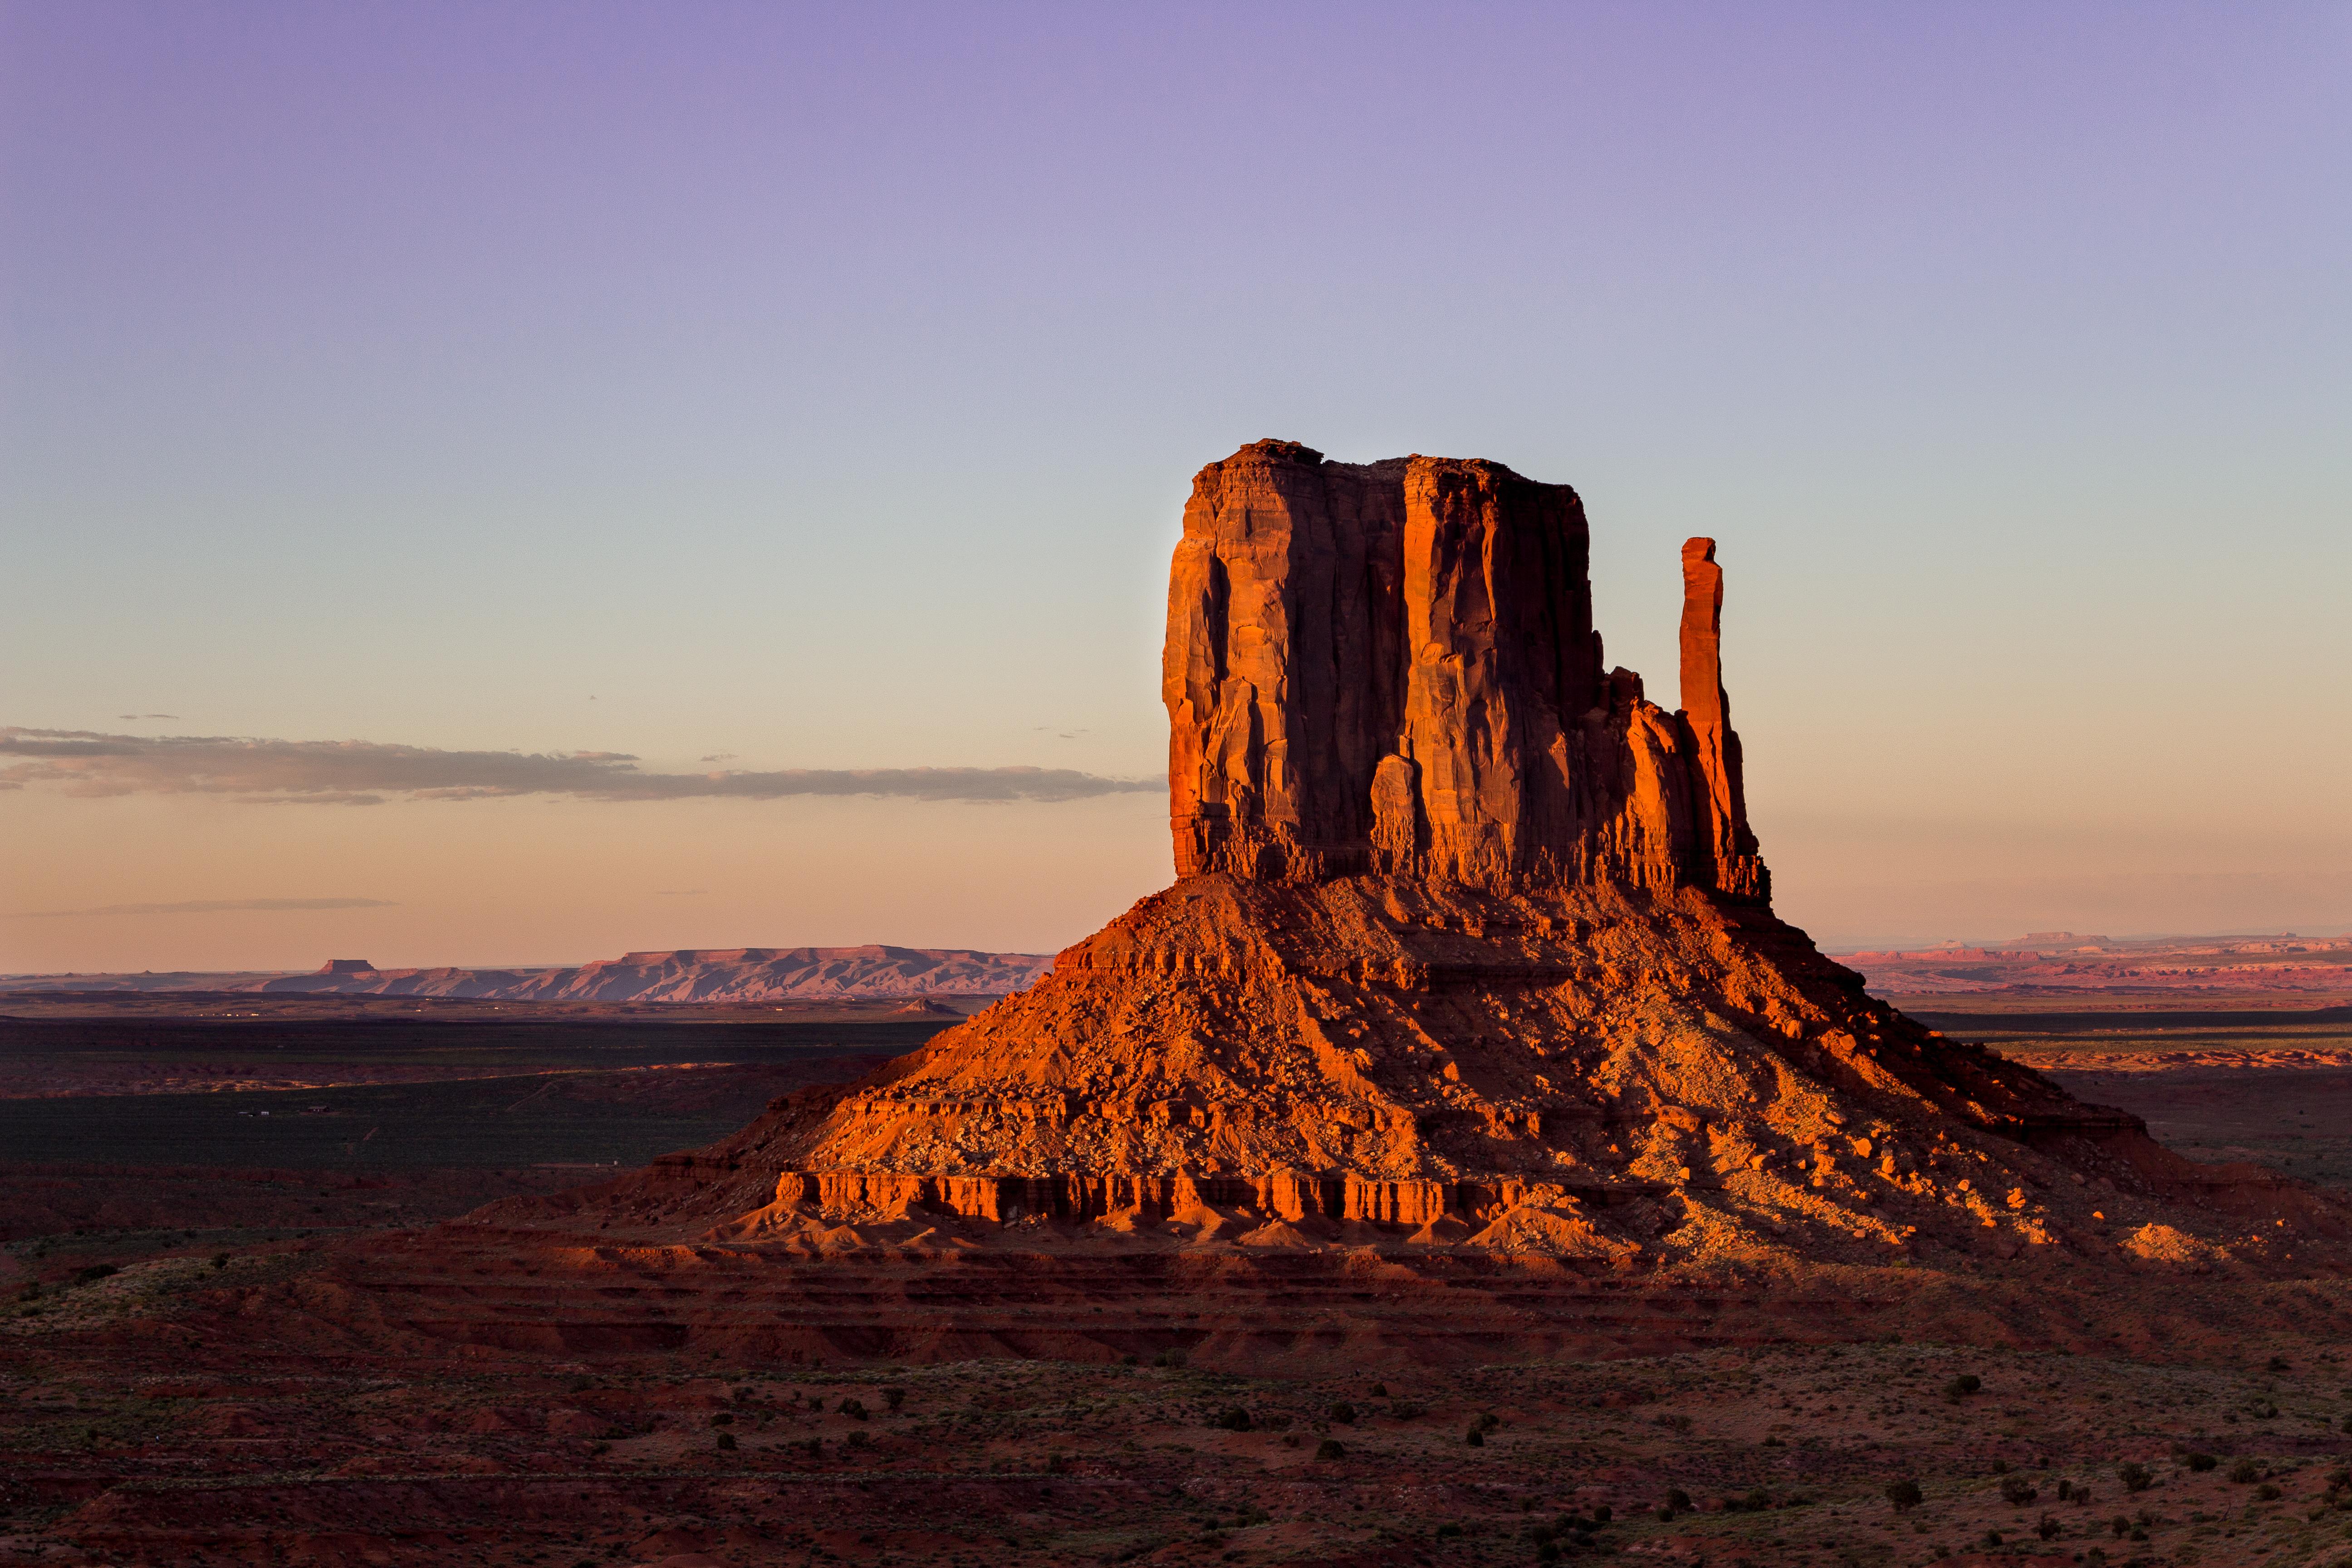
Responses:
[507,418]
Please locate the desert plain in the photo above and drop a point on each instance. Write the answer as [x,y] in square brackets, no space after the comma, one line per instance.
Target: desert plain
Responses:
[146,1421]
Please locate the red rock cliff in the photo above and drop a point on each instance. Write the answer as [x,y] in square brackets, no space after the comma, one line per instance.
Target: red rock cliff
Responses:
[1392,668]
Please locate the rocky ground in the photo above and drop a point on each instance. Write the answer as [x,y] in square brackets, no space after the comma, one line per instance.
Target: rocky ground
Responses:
[207,1444]
[183,1379]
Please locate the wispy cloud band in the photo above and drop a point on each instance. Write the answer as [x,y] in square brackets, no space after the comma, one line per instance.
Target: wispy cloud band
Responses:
[368,772]
[213,907]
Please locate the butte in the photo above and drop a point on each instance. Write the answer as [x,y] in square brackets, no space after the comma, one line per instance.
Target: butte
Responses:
[1469,981]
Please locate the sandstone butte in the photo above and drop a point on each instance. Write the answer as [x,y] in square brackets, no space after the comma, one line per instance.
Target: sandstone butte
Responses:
[1470,955]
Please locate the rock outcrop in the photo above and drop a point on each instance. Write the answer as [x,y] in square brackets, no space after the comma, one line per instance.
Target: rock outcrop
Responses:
[1392,669]
[1470,948]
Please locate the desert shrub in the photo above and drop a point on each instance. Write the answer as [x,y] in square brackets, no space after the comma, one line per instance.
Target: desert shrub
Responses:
[2065,1490]
[853,1408]
[1678,1499]
[1379,1391]
[2262,1410]
[1405,1410]
[1600,1514]
[1991,1539]
[2049,1527]
[2268,1492]
[94,1273]
[724,1418]
[2017,1491]
[2201,1463]
[2276,1363]
[858,1439]
[1904,1494]
[1342,1414]
[2245,1472]
[1231,1418]
[1475,1437]
[1448,1531]
[1960,1388]
[1330,1448]
[1672,1423]
[1538,1533]
[1757,1501]
[726,1439]
[1487,1421]
[1547,1552]
[1169,1358]
[894,1397]
[2134,1475]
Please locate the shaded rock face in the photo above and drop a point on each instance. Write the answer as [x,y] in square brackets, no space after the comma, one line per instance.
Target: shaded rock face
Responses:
[1392,669]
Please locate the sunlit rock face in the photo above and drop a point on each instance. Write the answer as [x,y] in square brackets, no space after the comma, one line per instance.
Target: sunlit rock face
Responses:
[1392,668]
[1470,948]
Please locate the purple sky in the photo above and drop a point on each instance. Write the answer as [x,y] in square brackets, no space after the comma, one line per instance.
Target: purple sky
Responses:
[816,388]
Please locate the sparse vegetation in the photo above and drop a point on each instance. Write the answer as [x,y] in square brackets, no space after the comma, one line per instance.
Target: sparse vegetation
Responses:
[1905,1494]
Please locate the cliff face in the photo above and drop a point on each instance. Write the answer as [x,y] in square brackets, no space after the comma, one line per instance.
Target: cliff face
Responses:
[1392,669]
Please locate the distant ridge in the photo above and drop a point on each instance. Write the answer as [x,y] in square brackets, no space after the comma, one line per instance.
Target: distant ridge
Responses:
[683,974]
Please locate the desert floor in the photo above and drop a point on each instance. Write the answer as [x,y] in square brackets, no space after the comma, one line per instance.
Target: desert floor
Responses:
[166,1396]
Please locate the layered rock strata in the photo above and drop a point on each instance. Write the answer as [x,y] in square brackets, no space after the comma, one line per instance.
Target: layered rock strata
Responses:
[1470,949]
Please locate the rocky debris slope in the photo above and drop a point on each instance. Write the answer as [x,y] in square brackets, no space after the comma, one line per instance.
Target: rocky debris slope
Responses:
[1470,953]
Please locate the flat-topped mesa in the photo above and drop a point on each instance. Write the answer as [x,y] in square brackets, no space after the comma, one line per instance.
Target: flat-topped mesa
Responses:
[1391,668]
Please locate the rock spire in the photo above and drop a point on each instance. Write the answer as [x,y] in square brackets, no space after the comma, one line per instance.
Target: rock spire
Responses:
[1392,669]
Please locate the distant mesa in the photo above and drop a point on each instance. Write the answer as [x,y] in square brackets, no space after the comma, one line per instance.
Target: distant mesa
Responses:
[1470,950]
[2275,969]
[685,974]
[704,975]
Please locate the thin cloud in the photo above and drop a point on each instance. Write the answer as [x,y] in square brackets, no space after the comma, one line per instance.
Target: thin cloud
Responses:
[366,773]
[134,718]
[211,907]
